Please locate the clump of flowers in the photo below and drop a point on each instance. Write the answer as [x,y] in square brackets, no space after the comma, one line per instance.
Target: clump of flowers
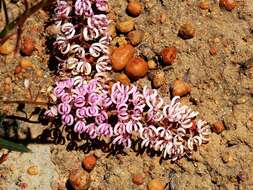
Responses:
[100,107]
[83,42]
[100,110]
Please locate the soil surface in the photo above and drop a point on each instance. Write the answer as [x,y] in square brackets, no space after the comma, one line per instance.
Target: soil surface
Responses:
[221,90]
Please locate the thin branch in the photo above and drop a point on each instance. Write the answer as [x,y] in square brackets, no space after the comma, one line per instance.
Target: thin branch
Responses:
[26,4]
[25,102]
[5,12]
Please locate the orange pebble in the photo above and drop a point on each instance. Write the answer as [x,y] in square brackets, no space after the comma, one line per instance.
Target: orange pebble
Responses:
[28,46]
[213,51]
[138,179]
[121,56]
[218,127]
[18,69]
[136,68]
[228,4]
[168,55]
[89,162]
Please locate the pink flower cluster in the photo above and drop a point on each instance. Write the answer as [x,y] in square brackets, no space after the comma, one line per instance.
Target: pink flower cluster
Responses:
[83,41]
[119,111]
[102,108]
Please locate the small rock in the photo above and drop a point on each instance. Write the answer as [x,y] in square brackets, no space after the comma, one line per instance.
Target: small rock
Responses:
[89,162]
[168,55]
[156,184]
[180,88]
[213,51]
[26,63]
[136,68]
[125,26]
[28,46]
[79,179]
[33,170]
[134,9]
[7,48]
[228,4]
[152,64]
[138,179]
[158,79]
[187,31]
[121,56]
[18,69]
[135,36]
[218,127]
[23,185]
[204,5]
[123,78]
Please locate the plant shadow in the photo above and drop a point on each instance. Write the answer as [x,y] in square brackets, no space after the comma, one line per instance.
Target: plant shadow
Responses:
[55,133]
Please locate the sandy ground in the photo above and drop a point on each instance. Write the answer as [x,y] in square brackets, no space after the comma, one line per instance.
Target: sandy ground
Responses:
[221,85]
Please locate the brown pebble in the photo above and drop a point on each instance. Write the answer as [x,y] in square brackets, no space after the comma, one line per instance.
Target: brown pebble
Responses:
[213,51]
[79,179]
[7,48]
[135,36]
[187,31]
[125,26]
[168,55]
[18,69]
[152,64]
[89,162]
[218,127]
[180,88]
[158,79]
[123,78]
[134,9]
[121,56]
[156,184]
[33,170]
[136,68]
[203,5]
[138,179]
[228,4]
[26,63]
[27,46]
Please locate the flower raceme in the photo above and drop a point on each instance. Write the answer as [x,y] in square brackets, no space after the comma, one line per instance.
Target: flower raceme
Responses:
[90,108]
[86,98]
[83,41]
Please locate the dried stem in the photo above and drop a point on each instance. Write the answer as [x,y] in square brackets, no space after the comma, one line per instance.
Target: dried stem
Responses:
[26,102]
